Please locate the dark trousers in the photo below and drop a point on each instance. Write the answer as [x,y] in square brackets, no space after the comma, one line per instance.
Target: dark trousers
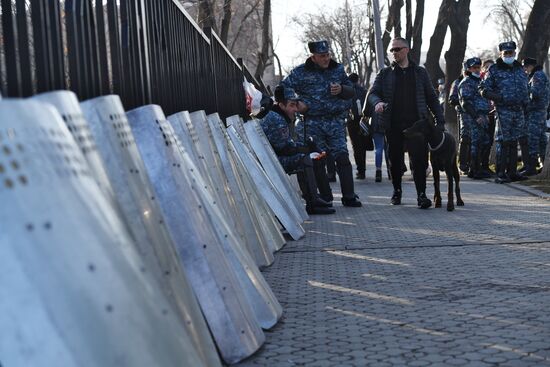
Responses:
[358,143]
[418,154]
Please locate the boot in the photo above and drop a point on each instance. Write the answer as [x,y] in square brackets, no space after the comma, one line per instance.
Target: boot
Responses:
[513,163]
[423,201]
[464,155]
[378,176]
[472,166]
[396,197]
[360,175]
[345,173]
[502,162]
[530,165]
[314,204]
[331,168]
[479,173]
[485,153]
[321,178]
[524,146]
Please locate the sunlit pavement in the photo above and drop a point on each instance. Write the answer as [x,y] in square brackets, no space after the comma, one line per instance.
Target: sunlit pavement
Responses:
[390,285]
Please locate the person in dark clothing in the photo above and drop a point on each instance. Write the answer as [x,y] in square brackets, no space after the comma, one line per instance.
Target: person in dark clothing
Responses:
[358,140]
[402,94]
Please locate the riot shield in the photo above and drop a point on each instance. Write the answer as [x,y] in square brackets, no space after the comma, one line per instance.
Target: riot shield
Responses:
[115,143]
[73,290]
[186,206]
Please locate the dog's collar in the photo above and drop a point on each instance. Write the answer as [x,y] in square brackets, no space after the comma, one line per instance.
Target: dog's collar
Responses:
[439,145]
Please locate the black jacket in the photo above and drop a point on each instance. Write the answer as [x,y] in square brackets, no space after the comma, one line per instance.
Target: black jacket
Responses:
[382,90]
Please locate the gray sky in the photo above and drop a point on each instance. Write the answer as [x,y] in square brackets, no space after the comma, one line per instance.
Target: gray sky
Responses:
[481,35]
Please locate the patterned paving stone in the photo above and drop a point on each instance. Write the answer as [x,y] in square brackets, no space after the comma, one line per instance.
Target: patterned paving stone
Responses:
[390,285]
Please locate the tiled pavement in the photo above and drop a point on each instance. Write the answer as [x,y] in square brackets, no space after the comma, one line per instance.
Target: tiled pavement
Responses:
[390,285]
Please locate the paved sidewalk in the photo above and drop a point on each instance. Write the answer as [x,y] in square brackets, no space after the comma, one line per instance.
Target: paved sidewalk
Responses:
[390,285]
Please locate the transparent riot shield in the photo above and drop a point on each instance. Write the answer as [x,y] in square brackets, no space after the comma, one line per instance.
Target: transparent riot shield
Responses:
[186,204]
[268,159]
[286,216]
[115,143]
[73,289]
[235,168]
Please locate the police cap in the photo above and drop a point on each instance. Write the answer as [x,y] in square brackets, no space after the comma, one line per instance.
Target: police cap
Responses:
[507,46]
[472,62]
[464,66]
[318,47]
[283,94]
[529,61]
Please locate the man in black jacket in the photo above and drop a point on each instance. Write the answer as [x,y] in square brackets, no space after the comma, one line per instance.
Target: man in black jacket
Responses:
[402,93]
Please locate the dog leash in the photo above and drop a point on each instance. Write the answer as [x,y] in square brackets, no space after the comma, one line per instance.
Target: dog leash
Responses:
[438,146]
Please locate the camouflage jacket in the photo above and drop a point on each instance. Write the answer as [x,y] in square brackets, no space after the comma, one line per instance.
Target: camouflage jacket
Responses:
[471,101]
[539,90]
[454,99]
[312,84]
[277,128]
[506,85]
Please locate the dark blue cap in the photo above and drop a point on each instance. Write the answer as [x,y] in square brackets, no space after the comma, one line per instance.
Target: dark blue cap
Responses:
[507,46]
[283,94]
[529,61]
[464,66]
[318,47]
[472,62]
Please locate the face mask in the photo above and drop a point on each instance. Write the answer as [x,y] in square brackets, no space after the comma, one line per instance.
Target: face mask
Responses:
[508,60]
[477,75]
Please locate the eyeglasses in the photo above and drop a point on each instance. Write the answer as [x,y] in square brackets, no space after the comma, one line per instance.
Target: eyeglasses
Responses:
[396,49]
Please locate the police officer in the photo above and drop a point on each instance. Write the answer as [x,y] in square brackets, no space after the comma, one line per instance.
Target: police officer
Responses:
[506,85]
[492,122]
[464,130]
[295,157]
[539,97]
[401,94]
[325,88]
[476,109]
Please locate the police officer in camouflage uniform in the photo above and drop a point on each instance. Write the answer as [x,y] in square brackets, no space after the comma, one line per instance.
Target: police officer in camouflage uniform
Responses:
[327,91]
[506,85]
[464,131]
[296,157]
[539,95]
[475,110]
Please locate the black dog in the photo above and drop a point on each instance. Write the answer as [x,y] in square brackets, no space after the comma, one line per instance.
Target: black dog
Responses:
[442,157]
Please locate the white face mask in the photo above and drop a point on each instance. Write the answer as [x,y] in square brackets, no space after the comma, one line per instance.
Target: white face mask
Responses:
[508,60]
[477,75]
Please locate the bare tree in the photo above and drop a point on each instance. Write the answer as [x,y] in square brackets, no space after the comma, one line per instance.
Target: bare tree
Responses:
[436,44]
[510,17]
[206,17]
[226,21]
[392,22]
[416,35]
[266,44]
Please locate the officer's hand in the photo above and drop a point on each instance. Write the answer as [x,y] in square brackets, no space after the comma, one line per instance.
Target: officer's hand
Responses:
[335,89]
[379,108]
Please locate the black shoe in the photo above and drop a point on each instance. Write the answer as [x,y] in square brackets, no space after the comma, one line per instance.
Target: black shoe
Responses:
[423,201]
[332,179]
[396,197]
[360,175]
[502,178]
[319,210]
[378,177]
[318,202]
[352,202]
[517,177]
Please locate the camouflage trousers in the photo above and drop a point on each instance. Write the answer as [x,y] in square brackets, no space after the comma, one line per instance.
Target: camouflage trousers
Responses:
[536,127]
[479,133]
[292,163]
[509,124]
[328,134]
[465,127]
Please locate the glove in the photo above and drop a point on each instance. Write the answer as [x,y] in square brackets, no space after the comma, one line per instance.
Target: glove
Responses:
[312,146]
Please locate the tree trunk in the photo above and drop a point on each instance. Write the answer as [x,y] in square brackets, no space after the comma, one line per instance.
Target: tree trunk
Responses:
[436,44]
[206,15]
[226,21]
[537,33]
[393,22]
[408,17]
[459,19]
[263,55]
[416,37]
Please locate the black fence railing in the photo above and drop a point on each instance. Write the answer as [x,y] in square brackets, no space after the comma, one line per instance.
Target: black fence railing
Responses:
[145,51]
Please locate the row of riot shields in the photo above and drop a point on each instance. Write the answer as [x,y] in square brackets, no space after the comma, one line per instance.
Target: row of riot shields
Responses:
[136,239]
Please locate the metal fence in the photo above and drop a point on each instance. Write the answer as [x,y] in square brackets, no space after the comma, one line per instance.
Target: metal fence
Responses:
[143,50]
